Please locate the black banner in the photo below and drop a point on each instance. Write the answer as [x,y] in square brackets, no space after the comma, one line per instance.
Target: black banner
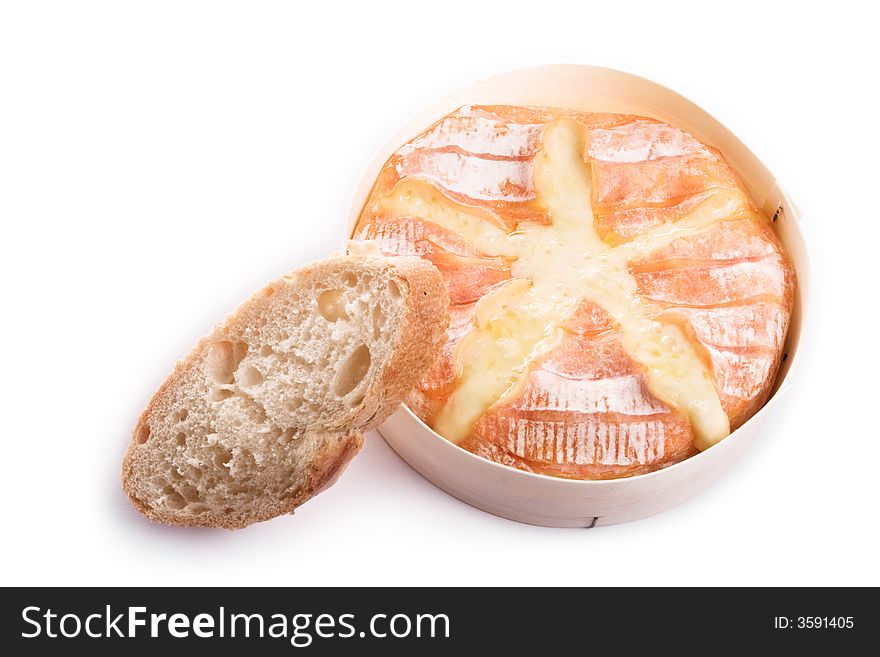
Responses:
[399,621]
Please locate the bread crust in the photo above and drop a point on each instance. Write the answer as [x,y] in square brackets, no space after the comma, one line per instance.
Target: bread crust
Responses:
[422,333]
[426,301]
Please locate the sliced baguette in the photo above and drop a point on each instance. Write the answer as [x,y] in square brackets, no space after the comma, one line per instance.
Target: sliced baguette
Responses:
[269,408]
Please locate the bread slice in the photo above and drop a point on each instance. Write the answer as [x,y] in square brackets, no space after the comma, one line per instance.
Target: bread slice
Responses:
[268,409]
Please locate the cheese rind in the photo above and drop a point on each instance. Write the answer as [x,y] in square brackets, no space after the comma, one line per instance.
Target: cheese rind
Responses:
[617,298]
[555,266]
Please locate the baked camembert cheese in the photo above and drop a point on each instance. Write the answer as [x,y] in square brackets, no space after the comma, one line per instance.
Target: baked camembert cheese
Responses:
[618,302]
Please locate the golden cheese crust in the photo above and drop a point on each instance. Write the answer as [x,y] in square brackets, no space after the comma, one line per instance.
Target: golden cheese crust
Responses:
[679,277]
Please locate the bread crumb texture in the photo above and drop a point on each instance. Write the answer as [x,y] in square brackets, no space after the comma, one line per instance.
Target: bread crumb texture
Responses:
[269,408]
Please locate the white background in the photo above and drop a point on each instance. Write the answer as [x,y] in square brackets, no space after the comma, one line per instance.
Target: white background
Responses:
[161,160]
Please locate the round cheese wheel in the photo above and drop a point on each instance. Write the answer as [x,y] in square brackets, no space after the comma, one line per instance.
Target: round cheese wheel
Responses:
[617,300]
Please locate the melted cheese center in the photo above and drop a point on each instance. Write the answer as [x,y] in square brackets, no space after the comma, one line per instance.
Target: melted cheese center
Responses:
[556,266]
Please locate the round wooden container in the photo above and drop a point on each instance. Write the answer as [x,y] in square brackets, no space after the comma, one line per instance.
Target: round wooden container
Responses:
[550,501]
